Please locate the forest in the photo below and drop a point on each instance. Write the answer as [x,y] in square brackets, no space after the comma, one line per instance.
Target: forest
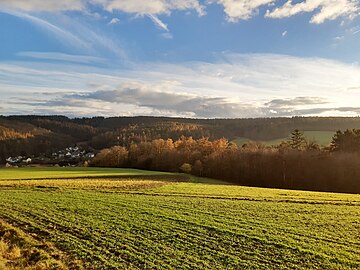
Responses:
[35,135]
[294,164]
[202,147]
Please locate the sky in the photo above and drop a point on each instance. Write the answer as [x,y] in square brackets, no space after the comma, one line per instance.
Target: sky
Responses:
[187,58]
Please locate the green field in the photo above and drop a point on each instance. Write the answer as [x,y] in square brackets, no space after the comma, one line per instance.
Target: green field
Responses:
[323,138]
[70,172]
[147,220]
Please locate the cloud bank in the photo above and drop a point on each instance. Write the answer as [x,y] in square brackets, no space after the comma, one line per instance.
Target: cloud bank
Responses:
[235,10]
[174,104]
[255,85]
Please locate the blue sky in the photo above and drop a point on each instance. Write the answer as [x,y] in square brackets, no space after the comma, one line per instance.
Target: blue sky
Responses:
[213,58]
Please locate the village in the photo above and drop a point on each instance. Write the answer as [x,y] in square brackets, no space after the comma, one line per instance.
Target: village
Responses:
[70,156]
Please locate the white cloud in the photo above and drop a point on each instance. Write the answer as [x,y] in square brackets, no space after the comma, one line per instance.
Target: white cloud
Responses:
[167,35]
[241,9]
[187,5]
[47,5]
[142,8]
[237,86]
[114,21]
[84,59]
[153,97]
[73,34]
[235,10]
[353,30]
[289,102]
[324,9]
[158,22]
[154,7]
[64,36]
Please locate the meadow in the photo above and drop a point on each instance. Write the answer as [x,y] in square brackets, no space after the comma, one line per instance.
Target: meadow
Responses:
[69,172]
[132,219]
[323,138]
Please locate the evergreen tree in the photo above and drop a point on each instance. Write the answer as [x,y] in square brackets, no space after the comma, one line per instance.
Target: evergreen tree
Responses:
[347,141]
[297,140]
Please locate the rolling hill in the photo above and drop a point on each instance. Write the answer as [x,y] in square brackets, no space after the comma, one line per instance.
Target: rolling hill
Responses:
[146,220]
[34,135]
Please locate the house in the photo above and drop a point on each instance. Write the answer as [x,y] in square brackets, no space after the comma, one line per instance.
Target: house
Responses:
[90,155]
[28,160]
[12,160]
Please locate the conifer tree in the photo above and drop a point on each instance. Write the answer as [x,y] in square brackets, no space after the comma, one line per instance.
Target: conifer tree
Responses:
[297,140]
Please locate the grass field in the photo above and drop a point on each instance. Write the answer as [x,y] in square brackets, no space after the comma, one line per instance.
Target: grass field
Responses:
[323,138]
[70,172]
[147,220]
[19,251]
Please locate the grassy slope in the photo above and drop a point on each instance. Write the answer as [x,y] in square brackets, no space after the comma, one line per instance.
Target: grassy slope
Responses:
[191,225]
[321,137]
[75,172]
[19,251]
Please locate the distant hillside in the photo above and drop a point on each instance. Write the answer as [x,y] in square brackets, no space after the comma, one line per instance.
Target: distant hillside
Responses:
[322,138]
[28,135]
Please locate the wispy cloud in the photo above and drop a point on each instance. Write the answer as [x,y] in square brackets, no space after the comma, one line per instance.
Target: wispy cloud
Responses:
[161,25]
[158,22]
[291,102]
[62,35]
[56,56]
[175,103]
[324,9]
[235,10]
[99,40]
[49,6]
[354,30]
[155,7]
[241,9]
[80,38]
[322,111]
[237,86]
[167,35]
[114,21]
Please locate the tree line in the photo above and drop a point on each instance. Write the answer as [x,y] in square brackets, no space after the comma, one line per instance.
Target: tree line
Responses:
[294,164]
[31,135]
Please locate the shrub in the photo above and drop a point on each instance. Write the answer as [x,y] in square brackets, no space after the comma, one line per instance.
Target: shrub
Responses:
[186,168]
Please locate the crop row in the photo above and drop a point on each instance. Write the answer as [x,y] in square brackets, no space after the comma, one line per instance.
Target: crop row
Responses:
[140,230]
